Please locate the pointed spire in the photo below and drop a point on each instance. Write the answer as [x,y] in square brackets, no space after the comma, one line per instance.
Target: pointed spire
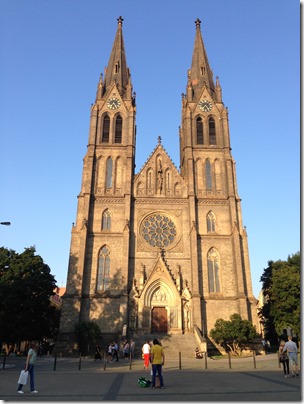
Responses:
[117,71]
[200,73]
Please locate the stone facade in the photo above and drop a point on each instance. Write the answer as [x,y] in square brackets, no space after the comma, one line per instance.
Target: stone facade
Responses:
[161,250]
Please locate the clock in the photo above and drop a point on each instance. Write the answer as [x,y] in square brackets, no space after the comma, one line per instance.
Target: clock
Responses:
[205,105]
[113,103]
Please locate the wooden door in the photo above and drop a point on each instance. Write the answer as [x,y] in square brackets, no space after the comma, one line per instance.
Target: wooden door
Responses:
[159,323]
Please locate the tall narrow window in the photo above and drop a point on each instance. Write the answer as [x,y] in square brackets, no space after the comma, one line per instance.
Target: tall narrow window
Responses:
[118,129]
[109,173]
[103,276]
[105,130]
[208,175]
[213,271]
[168,180]
[210,222]
[212,135]
[199,131]
[106,220]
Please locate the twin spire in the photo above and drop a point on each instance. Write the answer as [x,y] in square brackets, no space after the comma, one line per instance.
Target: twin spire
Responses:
[117,70]
[199,75]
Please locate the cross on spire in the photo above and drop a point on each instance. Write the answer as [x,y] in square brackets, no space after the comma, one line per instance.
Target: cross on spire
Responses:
[120,20]
[198,23]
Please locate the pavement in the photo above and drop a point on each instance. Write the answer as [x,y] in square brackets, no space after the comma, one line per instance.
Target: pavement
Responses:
[186,379]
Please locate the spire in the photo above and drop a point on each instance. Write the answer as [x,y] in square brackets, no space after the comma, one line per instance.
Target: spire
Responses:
[200,72]
[117,71]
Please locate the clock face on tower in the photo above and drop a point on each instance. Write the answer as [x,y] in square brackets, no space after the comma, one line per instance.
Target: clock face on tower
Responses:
[113,103]
[205,105]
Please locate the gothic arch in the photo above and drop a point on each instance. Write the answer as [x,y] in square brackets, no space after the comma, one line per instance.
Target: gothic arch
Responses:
[160,291]
[154,287]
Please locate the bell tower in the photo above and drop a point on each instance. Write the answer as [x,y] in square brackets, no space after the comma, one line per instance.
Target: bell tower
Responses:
[220,240]
[100,237]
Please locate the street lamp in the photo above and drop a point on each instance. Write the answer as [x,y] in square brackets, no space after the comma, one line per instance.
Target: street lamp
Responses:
[6,223]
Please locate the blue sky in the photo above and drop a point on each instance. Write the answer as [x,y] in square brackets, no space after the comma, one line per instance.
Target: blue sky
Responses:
[52,53]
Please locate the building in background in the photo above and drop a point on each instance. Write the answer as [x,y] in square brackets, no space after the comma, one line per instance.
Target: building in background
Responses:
[163,250]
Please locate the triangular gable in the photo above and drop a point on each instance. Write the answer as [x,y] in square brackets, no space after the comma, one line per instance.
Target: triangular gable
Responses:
[159,176]
[160,278]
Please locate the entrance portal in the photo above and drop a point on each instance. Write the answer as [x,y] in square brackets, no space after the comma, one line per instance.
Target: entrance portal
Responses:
[159,322]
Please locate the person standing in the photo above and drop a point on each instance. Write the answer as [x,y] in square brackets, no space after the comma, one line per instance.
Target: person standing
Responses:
[157,360]
[30,367]
[284,359]
[126,350]
[146,353]
[132,348]
[292,349]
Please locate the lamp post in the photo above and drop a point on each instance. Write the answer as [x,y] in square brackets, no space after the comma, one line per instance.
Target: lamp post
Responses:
[6,223]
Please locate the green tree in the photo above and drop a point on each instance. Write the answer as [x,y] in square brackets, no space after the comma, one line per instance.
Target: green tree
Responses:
[88,334]
[233,335]
[281,289]
[26,285]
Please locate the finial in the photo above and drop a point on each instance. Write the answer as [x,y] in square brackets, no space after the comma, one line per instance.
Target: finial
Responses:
[120,20]
[159,139]
[198,23]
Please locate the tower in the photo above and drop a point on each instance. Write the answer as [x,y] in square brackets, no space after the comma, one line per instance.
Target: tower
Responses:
[161,250]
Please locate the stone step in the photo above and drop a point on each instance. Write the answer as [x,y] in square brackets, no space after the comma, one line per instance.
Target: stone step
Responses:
[172,343]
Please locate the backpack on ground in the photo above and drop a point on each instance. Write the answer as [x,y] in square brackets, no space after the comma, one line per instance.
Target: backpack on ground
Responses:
[143,382]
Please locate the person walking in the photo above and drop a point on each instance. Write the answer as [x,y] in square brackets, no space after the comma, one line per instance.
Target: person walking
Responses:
[292,349]
[284,359]
[146,354]
[157,360]
[115,351]
[30,367]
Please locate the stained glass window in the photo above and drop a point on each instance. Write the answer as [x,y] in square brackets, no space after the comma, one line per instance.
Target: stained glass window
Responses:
[158,230]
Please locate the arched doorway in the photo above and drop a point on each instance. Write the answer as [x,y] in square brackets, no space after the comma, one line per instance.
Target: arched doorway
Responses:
[159,320]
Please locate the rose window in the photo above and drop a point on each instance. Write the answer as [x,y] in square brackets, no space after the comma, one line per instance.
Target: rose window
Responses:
[158,230]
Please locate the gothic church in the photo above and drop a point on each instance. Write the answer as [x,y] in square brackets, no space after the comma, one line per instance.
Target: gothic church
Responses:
[161,250]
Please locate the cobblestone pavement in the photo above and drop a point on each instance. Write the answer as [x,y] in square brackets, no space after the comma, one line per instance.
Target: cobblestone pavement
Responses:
[185,380]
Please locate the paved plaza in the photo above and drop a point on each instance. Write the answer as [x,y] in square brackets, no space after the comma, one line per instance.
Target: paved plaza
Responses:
[69,379]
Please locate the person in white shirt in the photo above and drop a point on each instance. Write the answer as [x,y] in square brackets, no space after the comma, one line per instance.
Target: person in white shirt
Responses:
[292,349]
[146,354]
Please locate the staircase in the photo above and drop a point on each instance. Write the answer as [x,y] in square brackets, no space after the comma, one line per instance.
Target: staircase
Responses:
[172,343]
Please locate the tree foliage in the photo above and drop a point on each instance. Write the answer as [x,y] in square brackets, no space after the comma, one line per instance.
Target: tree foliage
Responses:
[281,290]
[233,335]
[26,285]
[88,334]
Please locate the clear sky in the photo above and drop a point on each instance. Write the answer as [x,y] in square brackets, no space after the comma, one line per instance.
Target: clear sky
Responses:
[52,53]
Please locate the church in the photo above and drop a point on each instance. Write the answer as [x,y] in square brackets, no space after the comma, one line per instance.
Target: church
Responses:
[161,250]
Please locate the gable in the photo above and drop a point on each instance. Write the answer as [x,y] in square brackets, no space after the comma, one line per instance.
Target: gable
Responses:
[159,177]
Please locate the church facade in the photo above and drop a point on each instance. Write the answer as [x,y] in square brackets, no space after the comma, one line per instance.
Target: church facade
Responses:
[162,250]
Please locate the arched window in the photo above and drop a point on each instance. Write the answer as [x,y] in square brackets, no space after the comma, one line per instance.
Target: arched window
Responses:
[109,173]
[103,275]
[199,131]
[118,129]
[208,175]
[168,180]
[210,222]
[213,271]
[106,220]
[105,130]
[212,135]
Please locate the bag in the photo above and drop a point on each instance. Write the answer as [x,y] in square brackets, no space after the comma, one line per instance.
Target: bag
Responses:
[283,357]
[23,377]
[143,382]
